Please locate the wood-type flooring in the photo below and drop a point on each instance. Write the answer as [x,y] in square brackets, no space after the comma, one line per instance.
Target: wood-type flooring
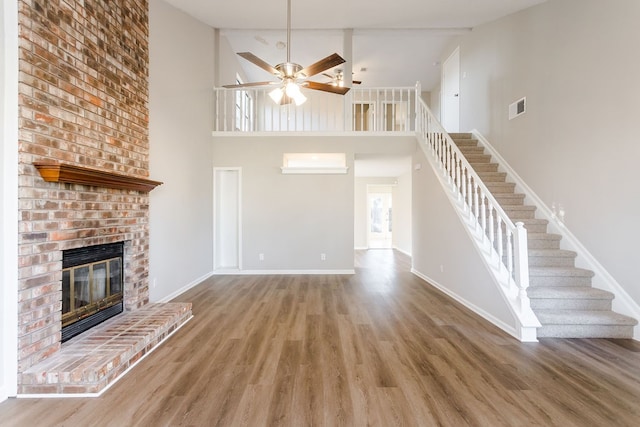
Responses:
[379,348]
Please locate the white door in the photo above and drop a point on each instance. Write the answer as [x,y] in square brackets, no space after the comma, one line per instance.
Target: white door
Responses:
[451,92]
[380,211]
[227,219]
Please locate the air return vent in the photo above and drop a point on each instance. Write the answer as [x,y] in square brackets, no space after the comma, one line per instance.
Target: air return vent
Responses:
[517,108]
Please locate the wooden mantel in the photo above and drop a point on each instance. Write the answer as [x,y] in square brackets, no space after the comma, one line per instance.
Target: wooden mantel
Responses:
[72,174]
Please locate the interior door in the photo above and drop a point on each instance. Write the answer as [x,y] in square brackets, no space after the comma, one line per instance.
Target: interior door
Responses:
[227,219]
[451,92]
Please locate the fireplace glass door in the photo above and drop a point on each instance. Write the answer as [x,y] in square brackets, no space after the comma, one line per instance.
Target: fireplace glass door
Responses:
[91,287]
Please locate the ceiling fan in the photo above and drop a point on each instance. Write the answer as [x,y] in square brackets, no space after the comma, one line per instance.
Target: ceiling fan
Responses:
[338,79]
[293,76]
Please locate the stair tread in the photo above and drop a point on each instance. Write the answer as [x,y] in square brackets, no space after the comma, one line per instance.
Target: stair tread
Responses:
[521,208]
[533,221]
[490,184]
[583,317]
[568,292]
[543,236]
[552,253]
[560,271]
[471,149]
[510,196]
[461,135]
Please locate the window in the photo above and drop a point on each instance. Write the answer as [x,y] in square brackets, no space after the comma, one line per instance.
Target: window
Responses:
[244,109]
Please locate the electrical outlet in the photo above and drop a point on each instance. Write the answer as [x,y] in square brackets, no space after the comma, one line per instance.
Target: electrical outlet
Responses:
[323,257]
[261,257]
[154,284]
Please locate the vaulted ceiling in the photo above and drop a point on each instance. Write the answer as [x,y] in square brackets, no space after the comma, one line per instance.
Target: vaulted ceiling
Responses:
[394,43]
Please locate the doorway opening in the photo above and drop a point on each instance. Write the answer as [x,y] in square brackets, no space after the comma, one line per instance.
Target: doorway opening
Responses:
[380,229]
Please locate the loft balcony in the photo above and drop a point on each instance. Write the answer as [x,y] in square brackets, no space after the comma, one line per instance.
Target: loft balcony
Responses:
[382,111]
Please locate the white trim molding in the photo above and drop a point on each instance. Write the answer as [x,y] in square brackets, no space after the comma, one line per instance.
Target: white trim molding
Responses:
[186,287]
[484,314]
[9,202]
[224,272]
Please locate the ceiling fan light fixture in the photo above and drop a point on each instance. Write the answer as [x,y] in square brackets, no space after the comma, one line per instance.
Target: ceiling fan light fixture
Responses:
[276,95]
[293,75]
[292,89]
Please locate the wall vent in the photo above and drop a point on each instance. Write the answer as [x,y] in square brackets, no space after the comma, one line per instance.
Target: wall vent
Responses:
[517,108]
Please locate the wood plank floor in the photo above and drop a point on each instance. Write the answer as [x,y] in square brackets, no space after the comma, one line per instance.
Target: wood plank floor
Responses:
[378,348]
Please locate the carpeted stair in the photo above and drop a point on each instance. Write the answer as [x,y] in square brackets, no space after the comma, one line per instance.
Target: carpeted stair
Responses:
[561,295]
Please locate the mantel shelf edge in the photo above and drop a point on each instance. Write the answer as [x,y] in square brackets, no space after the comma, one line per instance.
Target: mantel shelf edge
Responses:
[72,174]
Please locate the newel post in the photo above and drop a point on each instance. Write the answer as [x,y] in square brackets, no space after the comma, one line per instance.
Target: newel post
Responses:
[521,264]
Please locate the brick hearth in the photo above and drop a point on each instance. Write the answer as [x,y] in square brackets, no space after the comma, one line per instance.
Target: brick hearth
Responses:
[89,363]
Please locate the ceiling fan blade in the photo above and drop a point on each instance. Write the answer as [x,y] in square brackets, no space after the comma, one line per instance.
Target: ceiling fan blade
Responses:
[356,82]
[328,75]
[260,63]
[322,65]
[326,87]
[249,84]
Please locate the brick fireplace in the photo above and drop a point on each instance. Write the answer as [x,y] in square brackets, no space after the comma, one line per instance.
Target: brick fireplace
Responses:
[83,101]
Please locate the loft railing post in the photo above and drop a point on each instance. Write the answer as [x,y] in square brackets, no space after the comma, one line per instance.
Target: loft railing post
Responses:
[348,111]
[521,264]
[418,111]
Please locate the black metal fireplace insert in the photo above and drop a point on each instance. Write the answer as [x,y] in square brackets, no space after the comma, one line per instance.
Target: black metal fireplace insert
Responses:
[92,282]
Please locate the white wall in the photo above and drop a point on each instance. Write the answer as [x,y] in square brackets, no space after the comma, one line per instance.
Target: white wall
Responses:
[444,254]
[577,146]
[292,219]
[402,195]
[181,77]
[8,198]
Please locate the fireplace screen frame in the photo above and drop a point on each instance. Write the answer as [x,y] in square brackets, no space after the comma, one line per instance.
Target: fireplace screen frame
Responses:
[92,287]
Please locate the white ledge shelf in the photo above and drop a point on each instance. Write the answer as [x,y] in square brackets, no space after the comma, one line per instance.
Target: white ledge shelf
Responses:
[316,171]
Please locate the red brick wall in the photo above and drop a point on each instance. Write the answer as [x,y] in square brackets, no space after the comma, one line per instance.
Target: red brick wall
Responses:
[83,100]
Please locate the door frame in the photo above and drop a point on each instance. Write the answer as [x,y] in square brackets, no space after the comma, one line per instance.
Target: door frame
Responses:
[216,226]
[450,92]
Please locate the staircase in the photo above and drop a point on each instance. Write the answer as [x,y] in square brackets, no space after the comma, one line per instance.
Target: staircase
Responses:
[561,294]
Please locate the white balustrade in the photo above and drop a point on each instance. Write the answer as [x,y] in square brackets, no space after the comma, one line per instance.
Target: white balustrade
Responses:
[506,241]
[360,110]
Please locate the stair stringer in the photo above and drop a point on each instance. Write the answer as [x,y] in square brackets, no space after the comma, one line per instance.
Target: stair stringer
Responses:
[622,303]
[527,322]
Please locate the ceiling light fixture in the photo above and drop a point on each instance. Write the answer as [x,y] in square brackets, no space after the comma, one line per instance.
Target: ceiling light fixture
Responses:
[293,76]
[289,86]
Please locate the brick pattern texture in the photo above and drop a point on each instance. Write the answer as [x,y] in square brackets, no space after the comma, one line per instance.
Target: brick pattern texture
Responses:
[83,100]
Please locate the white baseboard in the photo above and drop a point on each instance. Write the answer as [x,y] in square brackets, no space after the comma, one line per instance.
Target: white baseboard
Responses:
[273,272]
[395,248]
[186,287]
[510,329]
